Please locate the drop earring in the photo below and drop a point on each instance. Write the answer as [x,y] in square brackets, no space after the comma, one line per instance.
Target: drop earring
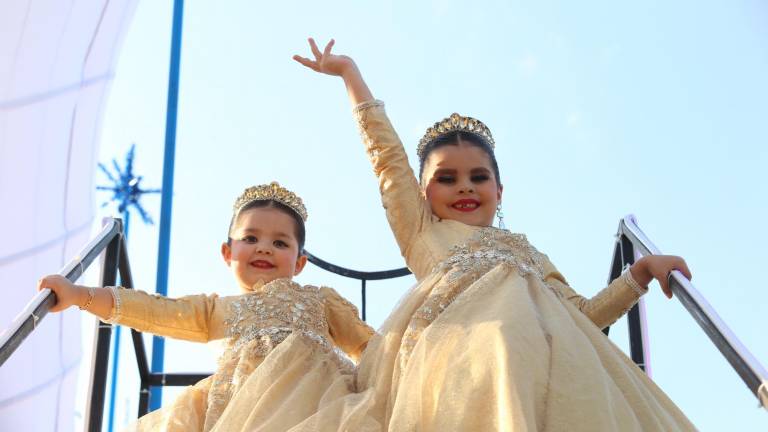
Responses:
[500,216]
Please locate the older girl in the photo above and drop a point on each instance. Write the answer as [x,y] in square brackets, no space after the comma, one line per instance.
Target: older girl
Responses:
[492,337]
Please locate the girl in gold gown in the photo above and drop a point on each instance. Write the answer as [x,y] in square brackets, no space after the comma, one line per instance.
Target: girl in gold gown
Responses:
[492,337]
[287,348]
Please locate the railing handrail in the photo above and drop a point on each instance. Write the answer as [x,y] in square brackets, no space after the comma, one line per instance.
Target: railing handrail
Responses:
[357,274]
[741,359]
[27,320]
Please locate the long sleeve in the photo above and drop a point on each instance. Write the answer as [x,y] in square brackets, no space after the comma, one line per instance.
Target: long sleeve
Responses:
[407,210]
[349,332]
[191,318]
[608,305]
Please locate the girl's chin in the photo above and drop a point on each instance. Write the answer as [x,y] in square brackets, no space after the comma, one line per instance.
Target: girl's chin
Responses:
[468,219]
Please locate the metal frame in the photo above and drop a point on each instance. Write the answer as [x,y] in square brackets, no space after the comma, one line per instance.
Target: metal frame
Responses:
[623,256]
[743,362]
[362,276]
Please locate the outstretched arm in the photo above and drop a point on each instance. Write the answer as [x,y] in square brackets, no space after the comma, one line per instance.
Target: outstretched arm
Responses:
[341,66]
[407,211]
[188,318]
[617,298]
[97,301]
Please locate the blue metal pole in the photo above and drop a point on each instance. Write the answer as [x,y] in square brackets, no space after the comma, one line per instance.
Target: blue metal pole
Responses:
[116,352]
[158,346]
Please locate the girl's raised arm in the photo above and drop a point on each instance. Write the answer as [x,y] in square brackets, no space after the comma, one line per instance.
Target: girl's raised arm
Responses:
[407,211]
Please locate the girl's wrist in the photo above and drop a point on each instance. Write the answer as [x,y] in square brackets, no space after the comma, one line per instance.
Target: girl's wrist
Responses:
[350,72]
[640,273]
[83,294]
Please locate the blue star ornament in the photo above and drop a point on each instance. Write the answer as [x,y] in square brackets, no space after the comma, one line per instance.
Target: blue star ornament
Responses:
[126,187]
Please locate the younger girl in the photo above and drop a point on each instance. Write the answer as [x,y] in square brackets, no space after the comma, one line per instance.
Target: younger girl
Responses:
[492,337]
[281,336]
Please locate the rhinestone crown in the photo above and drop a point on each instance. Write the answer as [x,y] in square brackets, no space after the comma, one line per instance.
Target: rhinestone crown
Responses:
[271,192]
[455,123]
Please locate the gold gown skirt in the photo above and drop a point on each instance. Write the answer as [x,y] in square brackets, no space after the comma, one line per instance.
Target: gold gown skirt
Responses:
[506,354]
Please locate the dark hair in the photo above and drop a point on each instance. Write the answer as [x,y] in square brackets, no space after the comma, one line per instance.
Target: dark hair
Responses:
[453,138]
[299,230]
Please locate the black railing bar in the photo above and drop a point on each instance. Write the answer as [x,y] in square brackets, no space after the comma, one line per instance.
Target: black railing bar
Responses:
[26,321]
[175,379]
[741,359]
[126,281]
[97,386]
[356,274]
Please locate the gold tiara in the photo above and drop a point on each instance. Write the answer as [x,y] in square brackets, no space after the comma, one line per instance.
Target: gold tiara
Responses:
[455,123]
[271,192]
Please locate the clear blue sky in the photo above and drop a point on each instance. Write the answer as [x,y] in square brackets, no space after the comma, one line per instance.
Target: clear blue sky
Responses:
[598,110]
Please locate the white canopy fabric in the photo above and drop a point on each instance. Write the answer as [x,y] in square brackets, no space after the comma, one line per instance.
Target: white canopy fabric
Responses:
[57,59]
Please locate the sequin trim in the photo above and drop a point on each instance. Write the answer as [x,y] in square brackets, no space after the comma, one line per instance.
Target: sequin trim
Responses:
[365,105]
[116,304]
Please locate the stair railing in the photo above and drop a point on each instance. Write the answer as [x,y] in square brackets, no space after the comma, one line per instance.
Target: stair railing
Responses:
[631,238]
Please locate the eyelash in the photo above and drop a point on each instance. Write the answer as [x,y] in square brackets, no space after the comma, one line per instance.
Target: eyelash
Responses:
[253,239]
[479,178]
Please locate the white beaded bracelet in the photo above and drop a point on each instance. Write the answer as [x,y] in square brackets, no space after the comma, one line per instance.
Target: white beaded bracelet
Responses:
[629,280]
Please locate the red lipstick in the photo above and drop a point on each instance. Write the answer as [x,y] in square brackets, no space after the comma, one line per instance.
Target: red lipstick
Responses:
[466,205]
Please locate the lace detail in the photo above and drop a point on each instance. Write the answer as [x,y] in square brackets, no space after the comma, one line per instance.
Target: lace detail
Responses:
[486,249]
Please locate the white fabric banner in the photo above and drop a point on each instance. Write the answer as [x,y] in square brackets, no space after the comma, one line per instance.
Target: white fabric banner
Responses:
[57,60]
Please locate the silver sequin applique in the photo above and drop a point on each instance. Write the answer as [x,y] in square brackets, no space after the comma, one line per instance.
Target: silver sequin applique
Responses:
[486,249]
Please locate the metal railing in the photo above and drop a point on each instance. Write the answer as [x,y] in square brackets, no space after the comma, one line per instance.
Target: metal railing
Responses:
[629,239]
[362,276]
[108,241]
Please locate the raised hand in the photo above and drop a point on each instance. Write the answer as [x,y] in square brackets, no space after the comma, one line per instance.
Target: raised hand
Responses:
[326,62]
[338,65]
[659,267]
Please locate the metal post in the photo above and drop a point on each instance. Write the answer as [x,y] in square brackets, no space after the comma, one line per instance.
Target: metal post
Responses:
[100,360]
[623,255]
[634,323]
[116,350]
[364,301]
[158,346]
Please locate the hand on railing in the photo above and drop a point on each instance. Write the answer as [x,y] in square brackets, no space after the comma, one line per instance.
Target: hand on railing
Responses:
[659,267]
[97,301]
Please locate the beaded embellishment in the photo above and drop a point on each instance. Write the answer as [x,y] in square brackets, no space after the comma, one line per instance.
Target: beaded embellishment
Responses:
[259,322]
[486,249]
